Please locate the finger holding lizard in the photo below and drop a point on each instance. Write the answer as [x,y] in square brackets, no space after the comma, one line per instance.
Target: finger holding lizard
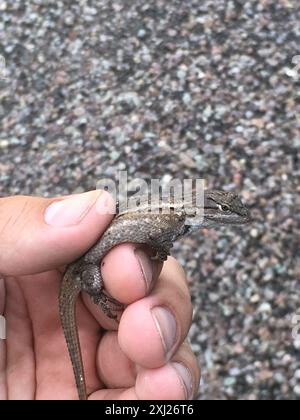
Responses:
[147,358]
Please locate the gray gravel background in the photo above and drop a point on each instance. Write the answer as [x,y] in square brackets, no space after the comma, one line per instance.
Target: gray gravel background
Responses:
[175,89]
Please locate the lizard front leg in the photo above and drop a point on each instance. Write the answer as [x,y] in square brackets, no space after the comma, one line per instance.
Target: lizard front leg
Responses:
[162,251]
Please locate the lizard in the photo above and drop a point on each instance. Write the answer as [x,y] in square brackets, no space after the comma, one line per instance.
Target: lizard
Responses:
[156,229]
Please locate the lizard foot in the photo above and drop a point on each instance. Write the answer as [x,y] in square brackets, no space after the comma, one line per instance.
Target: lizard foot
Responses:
[110,306]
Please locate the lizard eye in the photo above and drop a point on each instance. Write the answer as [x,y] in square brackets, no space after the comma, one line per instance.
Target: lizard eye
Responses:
[225,208]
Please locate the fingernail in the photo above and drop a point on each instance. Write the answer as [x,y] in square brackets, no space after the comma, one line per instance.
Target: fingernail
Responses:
[185,379]
[146,267]
[2,328]
[2,295]
[167,328]
[71,211]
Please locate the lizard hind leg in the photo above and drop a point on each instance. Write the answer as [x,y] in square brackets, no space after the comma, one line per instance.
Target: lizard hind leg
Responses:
[109,305]
[91,279]
[92,283]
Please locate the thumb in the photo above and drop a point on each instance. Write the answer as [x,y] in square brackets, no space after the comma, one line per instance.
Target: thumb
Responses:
[38,234]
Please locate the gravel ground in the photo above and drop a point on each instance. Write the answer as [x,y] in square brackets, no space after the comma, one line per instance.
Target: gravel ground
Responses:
[182,89]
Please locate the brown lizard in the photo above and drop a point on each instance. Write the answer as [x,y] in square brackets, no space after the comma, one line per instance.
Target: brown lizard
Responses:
[154,229]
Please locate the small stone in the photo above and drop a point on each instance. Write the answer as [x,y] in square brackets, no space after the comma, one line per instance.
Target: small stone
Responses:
[187,161]
[130,98]
[255,298]
[114,155]
[90,11]
[279,378]
[291,72]
[235,371]
[286,359]
[265,375]
[172,32]
[186,98]
[196,348]
[296,344]
[208,111]
[208,355]
[254,233]
[239,129]
[181,74]
[200,162]
[4,144]
[249,379]
[79,112]
[268,276]
[258,122]
[141,33]
[213,297]
[166,179]
[265,308]
[238,349]
[227,310]
[297,390]
[69,18]
[269,294]
[229,382]
[192,264]
[296,143]
[3,6]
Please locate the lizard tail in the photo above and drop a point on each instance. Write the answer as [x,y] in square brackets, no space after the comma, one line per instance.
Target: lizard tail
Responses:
[70,290]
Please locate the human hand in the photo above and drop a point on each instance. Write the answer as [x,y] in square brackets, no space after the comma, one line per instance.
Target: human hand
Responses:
[144,357]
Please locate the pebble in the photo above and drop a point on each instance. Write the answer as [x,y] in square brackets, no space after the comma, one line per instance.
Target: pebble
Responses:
[296,344]
[279,377]
[229,382]
[297,390]
[265,307]
[235,372]
[142,33]
[254,233]
[4,144]
[297,374]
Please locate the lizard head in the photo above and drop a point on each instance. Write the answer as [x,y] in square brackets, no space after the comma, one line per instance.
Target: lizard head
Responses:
[221,208]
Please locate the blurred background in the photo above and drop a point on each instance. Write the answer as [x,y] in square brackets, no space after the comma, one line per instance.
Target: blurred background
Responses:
[187,89]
